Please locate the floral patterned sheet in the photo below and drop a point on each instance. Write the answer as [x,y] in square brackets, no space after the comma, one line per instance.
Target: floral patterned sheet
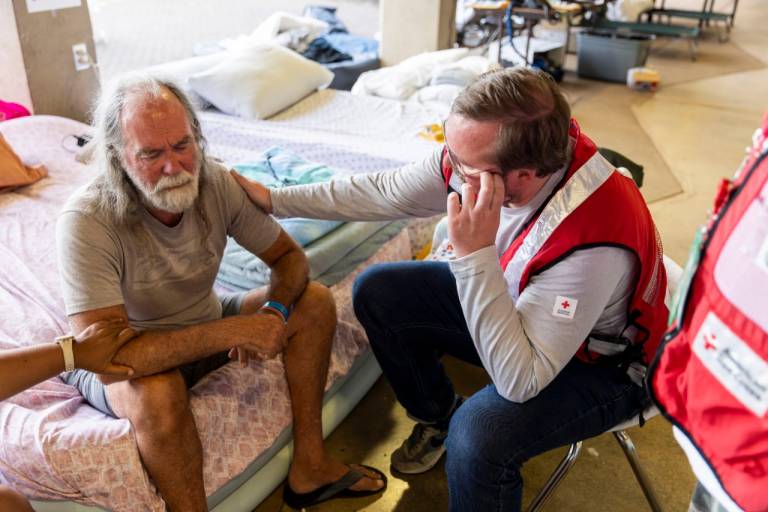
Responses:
[52,444]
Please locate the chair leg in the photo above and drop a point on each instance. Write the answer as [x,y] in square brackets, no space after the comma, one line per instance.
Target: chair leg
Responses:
[554,480]
[724,32]
[634,461]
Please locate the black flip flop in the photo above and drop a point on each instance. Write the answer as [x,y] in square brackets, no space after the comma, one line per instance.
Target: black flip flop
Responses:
[338,489]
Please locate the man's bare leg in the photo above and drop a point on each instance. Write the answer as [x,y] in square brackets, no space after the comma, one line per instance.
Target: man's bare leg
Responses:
[310,337]
[158,408]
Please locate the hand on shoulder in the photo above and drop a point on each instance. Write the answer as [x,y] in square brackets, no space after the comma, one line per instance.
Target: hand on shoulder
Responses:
[257,193]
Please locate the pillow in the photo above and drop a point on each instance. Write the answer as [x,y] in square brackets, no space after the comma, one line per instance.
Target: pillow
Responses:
[260,81]
[179,71]
[13,173]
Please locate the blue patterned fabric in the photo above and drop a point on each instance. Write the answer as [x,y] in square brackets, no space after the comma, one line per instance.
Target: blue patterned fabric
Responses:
[333,248]
[279,168]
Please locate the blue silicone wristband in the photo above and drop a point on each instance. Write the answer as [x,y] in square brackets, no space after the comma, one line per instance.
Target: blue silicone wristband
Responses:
[279,307]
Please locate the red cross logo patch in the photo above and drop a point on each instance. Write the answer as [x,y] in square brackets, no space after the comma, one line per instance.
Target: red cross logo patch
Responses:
[710,342]
[565,307]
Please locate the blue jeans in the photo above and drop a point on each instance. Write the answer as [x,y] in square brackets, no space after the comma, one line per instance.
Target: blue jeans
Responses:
[412,315]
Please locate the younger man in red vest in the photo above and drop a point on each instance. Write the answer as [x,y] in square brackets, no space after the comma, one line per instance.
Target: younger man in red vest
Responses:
[557,289]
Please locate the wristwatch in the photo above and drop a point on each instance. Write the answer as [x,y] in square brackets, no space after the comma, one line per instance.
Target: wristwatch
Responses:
[65,342]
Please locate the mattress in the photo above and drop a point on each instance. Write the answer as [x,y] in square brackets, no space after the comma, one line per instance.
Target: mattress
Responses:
[331,257]
[337,128]
[53,446]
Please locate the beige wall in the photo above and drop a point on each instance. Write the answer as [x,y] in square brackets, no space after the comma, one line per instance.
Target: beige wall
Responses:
[13,77]
[46,40]
[410,27]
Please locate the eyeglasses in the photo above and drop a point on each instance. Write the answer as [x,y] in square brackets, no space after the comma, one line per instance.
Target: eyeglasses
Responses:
[464,172]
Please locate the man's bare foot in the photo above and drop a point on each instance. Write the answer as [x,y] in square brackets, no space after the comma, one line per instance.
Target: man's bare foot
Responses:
[304,478]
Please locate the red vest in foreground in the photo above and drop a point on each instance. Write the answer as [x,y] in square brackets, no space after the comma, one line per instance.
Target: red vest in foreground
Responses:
[594,205]
[710,378]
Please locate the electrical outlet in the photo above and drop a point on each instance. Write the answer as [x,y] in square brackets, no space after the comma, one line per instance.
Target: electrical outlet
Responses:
[80,54]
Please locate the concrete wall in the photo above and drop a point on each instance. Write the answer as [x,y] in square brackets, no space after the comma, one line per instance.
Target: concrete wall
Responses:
[410,27]
[13,77]
[46,40]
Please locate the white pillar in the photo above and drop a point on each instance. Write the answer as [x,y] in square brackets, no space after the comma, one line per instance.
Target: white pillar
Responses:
[410,27]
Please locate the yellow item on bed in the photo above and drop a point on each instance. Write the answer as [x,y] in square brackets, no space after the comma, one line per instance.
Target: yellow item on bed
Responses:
[433,132]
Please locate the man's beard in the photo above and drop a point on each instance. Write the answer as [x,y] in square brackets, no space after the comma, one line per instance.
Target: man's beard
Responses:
[172,194]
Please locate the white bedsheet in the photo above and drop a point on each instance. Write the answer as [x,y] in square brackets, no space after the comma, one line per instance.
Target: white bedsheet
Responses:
[337,128]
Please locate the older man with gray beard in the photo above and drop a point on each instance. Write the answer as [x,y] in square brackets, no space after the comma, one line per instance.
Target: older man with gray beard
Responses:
[143,242]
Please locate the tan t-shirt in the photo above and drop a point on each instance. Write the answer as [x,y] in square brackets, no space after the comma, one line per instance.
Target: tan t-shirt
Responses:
[165,276]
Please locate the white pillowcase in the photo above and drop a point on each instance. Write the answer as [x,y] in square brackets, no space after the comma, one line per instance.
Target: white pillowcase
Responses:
[260,81]
[179,72]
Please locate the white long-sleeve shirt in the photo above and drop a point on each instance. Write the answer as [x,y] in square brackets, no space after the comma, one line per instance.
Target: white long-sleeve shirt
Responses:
[522,343]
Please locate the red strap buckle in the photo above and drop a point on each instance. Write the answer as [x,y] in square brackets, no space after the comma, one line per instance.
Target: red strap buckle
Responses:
[723,191]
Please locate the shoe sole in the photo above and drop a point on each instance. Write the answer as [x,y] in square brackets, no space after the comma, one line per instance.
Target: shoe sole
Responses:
[420,468]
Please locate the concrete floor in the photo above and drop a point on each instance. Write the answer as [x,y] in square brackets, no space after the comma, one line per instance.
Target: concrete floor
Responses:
[689,135]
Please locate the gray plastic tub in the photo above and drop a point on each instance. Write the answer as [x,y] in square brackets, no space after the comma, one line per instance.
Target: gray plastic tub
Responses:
[608,55]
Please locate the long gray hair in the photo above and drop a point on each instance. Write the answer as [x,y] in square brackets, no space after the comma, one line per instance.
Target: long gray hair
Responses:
[112,195]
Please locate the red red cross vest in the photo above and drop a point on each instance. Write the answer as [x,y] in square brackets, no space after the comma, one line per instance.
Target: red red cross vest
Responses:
[710,377]
[594,205]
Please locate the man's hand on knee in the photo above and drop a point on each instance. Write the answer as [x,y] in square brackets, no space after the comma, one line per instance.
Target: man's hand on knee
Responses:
[267,337]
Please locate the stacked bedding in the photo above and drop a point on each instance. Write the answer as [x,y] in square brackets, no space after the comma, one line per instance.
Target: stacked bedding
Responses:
[334,248]
[331,257]
[432,80]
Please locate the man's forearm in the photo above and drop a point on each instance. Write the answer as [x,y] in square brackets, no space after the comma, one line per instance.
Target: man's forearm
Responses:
[157,351]
[290,275]
[514,364]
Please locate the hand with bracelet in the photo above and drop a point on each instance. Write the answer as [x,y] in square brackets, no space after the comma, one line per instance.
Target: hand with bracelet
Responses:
[92,349]
[271,334]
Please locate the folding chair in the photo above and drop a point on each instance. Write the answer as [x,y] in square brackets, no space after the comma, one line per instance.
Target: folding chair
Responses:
[619,432]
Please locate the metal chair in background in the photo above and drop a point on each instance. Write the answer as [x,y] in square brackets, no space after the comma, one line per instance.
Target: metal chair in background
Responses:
[619,432]
[494,20]
[523,16]
[486,27]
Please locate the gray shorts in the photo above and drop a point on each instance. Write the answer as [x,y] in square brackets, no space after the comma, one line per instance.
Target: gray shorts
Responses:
[95,393]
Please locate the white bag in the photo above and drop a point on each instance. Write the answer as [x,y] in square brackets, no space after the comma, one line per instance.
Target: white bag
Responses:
[627,10]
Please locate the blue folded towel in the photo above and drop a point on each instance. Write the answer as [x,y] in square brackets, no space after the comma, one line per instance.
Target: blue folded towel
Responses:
[279,168]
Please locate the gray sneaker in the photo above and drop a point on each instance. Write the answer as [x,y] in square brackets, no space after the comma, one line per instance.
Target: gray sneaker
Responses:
[424,447]
[421,451]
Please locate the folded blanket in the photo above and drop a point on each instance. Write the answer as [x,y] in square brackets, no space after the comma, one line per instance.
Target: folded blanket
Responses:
[279,168]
